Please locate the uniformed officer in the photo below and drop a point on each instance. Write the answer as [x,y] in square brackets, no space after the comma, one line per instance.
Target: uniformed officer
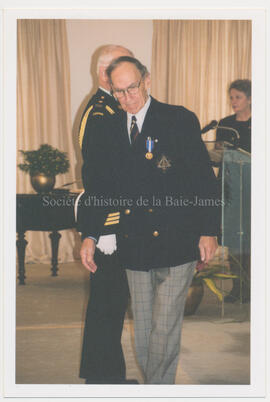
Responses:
[159,163]
[102,359]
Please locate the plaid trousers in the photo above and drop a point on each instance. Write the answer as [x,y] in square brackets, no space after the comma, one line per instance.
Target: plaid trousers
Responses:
[158,301]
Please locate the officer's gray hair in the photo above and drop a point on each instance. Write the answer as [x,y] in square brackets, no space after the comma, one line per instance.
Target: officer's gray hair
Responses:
[126,59]
[105,56]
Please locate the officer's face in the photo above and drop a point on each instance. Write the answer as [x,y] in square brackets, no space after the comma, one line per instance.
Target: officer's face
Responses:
[125,76]
[104,80]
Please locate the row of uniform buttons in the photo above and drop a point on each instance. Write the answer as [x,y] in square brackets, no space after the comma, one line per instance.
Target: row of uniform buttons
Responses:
[128,211]
[155,234]
[150,210]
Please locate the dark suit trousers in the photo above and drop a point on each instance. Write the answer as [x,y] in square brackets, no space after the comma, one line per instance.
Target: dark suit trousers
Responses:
[102,355]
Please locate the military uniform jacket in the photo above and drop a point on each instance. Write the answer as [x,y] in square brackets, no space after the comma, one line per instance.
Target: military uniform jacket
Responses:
[96,121]
[165,203]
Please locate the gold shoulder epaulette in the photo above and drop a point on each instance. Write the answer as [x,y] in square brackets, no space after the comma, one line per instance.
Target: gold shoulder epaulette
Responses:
[95,112]
[83,124]
[110,109]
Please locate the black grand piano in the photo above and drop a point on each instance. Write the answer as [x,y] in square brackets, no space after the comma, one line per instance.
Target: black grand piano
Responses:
[43,212]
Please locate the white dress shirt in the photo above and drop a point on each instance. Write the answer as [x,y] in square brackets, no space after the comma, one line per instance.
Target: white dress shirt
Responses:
[139,116]
[105,90]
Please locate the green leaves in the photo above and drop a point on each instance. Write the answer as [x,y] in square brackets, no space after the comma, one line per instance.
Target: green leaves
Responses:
[46,159]
[208,274]
[212,286]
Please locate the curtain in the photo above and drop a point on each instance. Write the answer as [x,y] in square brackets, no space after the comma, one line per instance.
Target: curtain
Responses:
[44,113]
[194,61]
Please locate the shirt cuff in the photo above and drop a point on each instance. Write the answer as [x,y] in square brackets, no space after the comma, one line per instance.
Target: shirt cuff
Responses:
[93,238]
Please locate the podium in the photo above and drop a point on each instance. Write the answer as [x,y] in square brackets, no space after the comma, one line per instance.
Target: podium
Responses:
[234,175]
[236,200]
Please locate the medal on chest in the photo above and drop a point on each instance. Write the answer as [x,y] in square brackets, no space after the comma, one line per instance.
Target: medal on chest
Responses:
[149,147]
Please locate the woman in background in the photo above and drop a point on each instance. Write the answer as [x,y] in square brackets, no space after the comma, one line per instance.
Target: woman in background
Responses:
[236,129]
[240,98]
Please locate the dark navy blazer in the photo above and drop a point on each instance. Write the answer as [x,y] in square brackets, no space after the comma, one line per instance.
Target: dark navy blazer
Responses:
[160,206]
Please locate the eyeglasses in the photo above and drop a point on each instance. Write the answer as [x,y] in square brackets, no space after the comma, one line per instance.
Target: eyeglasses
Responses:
[133,89]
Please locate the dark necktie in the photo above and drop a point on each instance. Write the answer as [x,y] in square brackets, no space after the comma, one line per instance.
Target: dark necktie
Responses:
[134,131]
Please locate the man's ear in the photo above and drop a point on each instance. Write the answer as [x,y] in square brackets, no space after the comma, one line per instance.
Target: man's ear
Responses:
[102,73]
[147,81]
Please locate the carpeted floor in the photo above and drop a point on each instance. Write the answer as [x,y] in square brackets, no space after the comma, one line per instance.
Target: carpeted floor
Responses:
[50,315]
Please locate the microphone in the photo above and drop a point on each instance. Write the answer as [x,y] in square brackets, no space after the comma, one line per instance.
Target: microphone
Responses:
[209,126]
[233,130]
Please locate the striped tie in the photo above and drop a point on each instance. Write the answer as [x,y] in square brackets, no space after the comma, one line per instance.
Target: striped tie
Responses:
[134,131]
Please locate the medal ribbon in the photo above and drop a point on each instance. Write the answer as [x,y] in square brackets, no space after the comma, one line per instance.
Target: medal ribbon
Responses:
[149,144]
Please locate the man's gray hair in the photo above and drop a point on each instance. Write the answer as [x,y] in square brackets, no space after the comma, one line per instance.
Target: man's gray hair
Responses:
[126,59]
[105,57]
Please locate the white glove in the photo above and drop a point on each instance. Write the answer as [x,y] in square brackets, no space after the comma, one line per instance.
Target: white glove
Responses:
[107,244]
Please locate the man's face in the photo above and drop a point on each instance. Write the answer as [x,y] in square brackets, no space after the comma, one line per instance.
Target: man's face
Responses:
[126,75]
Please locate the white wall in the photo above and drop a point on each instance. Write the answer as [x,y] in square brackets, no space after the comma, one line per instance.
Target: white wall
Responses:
[84,38]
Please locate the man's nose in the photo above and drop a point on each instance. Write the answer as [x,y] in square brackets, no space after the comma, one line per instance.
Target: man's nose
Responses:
[127,95]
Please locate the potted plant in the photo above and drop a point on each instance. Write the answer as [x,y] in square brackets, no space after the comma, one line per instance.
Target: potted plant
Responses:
[43,165]
[205,275]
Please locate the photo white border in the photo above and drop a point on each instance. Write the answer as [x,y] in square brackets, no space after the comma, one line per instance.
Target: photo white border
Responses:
[257,389]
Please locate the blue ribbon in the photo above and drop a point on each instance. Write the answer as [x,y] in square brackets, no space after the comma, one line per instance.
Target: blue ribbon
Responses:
[149,144]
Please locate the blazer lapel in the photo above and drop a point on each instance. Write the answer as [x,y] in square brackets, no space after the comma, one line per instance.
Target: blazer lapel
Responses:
[120,146]
[123,132]
[149,124]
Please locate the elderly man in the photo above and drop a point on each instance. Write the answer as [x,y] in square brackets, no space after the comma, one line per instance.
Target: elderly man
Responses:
[102,356]
[160,168]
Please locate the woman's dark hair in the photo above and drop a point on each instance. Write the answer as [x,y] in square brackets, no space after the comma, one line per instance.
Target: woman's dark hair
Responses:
[123,59]
[241,85]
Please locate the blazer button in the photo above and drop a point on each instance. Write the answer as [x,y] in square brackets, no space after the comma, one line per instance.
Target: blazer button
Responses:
[155,233]
[127,211]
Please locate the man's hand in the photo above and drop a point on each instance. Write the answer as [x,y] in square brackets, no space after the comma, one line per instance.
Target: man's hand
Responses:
[207,246]
[87,254]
